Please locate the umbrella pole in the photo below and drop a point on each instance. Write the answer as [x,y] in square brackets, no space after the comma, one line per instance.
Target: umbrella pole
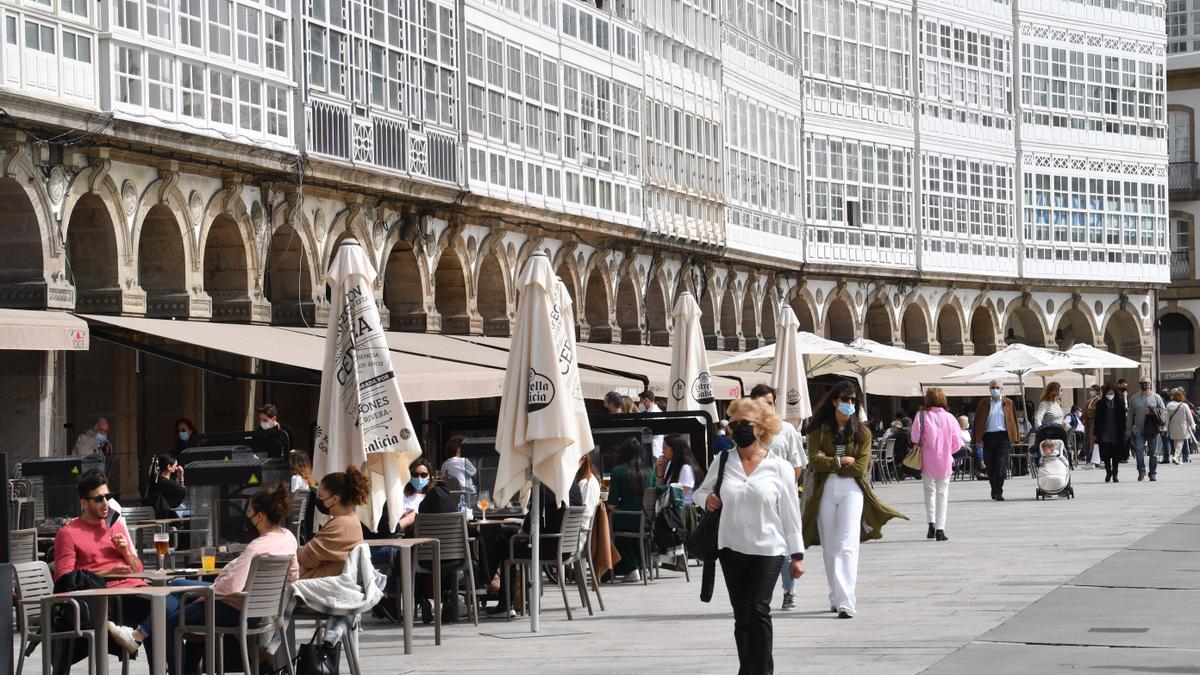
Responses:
[535,568]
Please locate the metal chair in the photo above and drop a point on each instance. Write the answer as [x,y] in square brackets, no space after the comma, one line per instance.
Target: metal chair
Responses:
[566,552]
[586,551]
[299,508]
[23,545]
[263,599]
[889,461]
[33,584]
[451,530]
[642,535]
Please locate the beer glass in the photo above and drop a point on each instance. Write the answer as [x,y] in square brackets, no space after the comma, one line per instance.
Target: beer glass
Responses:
[208,559]
[162,541]
[485,501]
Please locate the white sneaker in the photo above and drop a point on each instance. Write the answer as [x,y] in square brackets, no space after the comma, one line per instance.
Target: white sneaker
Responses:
[123,635]
[633,577]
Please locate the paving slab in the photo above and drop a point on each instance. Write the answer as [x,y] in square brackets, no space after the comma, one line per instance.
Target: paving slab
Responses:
[1020,659]
[1133,568]
[1172,537]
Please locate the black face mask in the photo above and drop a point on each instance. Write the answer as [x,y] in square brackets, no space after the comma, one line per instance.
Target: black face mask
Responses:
[1145,386]
[321,508]
[743,433]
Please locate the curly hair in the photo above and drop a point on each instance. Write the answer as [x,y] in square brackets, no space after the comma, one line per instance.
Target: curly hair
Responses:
[764,417]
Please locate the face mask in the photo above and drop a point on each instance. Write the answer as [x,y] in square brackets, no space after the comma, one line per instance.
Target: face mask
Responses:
[183,435]
[418,483]
[324,510]
[743,434]
[995,393]
[846,409]
[1110,396]
[1145,386]
[264,425]
[103,438]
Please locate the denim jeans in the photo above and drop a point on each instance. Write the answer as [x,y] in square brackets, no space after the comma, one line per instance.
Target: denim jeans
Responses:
[789,584]
[1143,446]
[1168,449]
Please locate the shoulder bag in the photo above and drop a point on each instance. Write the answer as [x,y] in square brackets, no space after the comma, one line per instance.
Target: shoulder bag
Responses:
[318,658]
[913,459]
[1152,423]
[702,542]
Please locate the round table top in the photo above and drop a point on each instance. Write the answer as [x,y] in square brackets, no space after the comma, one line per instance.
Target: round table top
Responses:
[138,590]
[407,541]
[487,522]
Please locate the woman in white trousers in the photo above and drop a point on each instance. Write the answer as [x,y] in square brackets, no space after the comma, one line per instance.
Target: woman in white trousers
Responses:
[847,511]
[940,436]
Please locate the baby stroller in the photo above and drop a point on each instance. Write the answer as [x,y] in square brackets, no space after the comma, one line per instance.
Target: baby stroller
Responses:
[1052,472]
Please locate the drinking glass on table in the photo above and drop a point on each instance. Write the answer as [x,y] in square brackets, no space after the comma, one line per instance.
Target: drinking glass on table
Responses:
[208,559]
[162,541]
[485,500]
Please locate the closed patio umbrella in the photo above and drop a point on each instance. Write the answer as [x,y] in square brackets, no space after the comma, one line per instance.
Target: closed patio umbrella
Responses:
[787,377]
[691,382]
[543,427]
[361,419]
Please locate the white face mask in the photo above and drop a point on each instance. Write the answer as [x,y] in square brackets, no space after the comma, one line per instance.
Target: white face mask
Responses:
[1110,396]
[265,425]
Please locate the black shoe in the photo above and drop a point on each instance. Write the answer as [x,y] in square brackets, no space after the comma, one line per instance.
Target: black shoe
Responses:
[1153,478]
[999,498]
[845,614]
[498,610]
[929,534]
[1115,479]
[386,610]
[941,535]
[1141,476]
[426,611]
[1107,476]
[833,609]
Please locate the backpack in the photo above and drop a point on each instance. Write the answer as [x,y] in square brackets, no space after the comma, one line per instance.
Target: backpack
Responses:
[669,530]
[63,618]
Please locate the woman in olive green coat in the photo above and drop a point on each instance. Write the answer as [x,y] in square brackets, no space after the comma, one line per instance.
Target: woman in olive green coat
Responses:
[842,510]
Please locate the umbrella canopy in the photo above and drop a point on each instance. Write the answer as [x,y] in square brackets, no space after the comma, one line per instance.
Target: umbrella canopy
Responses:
[1016,360]
[762,360]
[361,419]
[1087,357]
[868,356]
[691,384]
[791,388]
[543,424]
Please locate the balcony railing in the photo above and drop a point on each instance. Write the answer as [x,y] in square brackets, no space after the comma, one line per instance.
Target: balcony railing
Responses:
[1181,265]
[1182,177]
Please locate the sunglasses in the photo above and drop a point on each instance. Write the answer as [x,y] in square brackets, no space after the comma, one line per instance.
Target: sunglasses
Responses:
[848,399]
[421,475]
[100,499]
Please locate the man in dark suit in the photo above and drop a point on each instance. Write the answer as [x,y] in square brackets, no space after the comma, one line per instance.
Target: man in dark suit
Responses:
[996,427]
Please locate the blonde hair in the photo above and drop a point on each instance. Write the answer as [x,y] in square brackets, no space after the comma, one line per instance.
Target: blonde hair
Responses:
[1178,394]
[757,411]
[1051,392]
[964,421]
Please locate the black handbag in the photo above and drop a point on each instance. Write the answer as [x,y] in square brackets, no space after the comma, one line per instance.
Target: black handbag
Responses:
[702,542]
[318,658]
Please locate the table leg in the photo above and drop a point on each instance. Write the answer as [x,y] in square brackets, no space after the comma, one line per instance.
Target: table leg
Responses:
[437,591]
[406,593]
[46,651]
[210,633]
[100,623]
[158,619]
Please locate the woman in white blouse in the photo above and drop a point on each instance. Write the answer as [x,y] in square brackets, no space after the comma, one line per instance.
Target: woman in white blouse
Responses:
[1049,410]
[760,527]
[676,466]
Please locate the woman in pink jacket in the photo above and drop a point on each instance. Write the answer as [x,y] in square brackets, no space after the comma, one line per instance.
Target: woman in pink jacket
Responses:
[940,437]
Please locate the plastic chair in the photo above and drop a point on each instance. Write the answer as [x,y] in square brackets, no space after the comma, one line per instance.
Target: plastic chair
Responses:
[642,535]
[266,583]
[586,552]
[451,530]
[23,545]
[566,552]
[33,583]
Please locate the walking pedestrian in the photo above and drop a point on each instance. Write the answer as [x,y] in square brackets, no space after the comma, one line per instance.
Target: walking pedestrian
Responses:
[1108,430]
[996,427]
[1180,425]
[940,437]
[847,511]
[760,525]
[1049,409]
[1144,421]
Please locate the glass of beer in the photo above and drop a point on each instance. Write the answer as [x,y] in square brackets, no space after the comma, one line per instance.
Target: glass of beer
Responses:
[485,501]
[162,541]
[208,559]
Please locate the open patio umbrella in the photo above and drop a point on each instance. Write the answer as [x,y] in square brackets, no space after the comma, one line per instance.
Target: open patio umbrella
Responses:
[1019,360]
[870,356]
[361,419]
[543,427]
[787,377]
[762,360]
[691,383]
[1087,357]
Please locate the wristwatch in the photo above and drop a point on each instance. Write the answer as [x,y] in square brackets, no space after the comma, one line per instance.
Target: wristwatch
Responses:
[797,557]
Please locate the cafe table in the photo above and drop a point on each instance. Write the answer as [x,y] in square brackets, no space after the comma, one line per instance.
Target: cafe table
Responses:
[158,617]
[404,547]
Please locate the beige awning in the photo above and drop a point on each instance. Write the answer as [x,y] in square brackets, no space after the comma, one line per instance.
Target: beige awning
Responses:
[912,382]
[422,378]
[725,384]
[1178,366]
[33,329]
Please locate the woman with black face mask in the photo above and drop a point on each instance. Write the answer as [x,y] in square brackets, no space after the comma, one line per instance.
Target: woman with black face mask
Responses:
[846,509]
[760,527]
[337,494]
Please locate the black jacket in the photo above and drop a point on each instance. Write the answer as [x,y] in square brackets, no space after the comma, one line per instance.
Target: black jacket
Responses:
[1100,415]
[552,511]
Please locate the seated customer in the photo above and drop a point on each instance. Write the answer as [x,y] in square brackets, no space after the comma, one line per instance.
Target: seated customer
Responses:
[267,510]
[420,471]
[166,492]
[459,468]
[337,494]
[90,543]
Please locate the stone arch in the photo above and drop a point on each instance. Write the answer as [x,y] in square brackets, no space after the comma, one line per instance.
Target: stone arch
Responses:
[983,330]
[708,318]
[288,280]
[162,263]
[597,304]
[729,320]
[228,269]
[950,330]
[914,328]
[839,320]
[493,294]
[1176,331]
[570,279]
[877,321]
[405,287]
[803,304]
[31,260]
[1025,325]
[629,310]
[1074,327]
[751,335]
[658,313]
[348,222]
[450,292]
[770,317]
[97,252]
[1123,333]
